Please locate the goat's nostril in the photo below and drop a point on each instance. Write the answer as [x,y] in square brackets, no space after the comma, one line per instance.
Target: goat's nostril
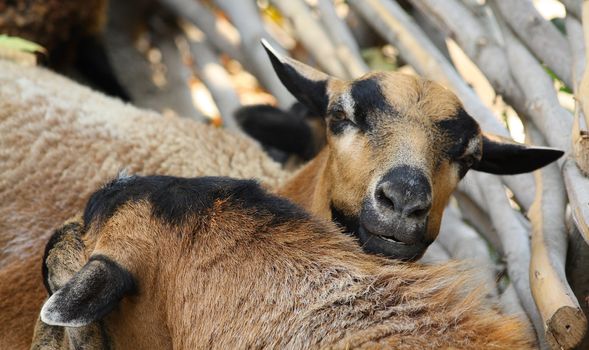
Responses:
[417,211]
[385,200]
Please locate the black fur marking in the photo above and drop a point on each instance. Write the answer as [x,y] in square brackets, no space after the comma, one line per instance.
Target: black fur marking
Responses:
[460,129]
[338,126]
[55,238]
[368,99]
[312,93]
[287,131]
[174,198]
[93,292]
[348,223]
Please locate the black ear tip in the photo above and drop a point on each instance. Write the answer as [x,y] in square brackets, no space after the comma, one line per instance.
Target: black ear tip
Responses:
[551,154]
[270,50]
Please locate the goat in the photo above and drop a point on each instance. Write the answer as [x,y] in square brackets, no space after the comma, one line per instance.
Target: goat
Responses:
[217,263]
[396,147]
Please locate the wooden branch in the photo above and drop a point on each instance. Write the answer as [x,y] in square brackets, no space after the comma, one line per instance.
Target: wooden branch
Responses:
[435,254]
[577,44]
[516,245]
[346,47]
[477,218]
[580,138]
[312,35]
[246,18]
[479,44]
[577,185]
[551,119]
[539,35]
[564,322]
[541,101]
[573,7]
[464,243]
[573,169]
[393,24]
[136,73]
[214,76]
[202,17]
[511,305]
[576,269]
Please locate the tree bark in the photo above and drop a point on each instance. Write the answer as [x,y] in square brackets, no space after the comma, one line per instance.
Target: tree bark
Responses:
[564,322]
[216,79]
[346,47]
[246,18]
[539,35]
[313,36]
[516,245]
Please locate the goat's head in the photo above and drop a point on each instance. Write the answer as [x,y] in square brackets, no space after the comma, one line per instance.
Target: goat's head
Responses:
[398,147]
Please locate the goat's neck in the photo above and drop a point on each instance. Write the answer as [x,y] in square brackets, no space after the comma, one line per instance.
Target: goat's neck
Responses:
[310,186]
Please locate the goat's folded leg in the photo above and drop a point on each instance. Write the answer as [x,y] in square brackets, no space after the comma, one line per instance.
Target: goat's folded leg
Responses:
[65,254]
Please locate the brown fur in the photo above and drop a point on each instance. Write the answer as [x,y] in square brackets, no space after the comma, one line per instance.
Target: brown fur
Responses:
[58,141]
[233,279]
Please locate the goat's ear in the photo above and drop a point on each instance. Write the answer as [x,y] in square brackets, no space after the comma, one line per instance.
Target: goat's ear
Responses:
[307,84]
[89,295]
[505,157]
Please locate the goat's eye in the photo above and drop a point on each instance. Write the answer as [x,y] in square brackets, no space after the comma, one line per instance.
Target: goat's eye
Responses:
[339,115]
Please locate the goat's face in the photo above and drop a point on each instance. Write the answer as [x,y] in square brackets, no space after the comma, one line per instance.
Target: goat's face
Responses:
[399,145]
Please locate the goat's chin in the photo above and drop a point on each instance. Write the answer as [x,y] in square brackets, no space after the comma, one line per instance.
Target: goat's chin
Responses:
[388,246]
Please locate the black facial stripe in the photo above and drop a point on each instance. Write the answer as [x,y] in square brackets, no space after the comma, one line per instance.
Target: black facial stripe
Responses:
[338,126]
[174,199]
[349,223]
[460,129]
[368,98]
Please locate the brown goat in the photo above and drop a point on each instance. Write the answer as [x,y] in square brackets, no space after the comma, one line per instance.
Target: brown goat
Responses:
[397,146]
[165,262]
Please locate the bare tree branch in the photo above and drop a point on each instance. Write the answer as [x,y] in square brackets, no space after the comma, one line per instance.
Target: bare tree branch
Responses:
[516,245]
[216,79]
[539,35]
[313,36]
[573,7]
[193,11]
[464,243]
[246,18]
[564,322]
[511,305]
[435,254]
[346,47]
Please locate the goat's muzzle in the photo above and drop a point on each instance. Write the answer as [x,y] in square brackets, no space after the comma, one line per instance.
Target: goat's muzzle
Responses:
[393,222]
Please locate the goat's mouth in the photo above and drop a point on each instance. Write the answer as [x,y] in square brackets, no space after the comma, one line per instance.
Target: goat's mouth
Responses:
[374,238]
[389,246]
[390,239]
